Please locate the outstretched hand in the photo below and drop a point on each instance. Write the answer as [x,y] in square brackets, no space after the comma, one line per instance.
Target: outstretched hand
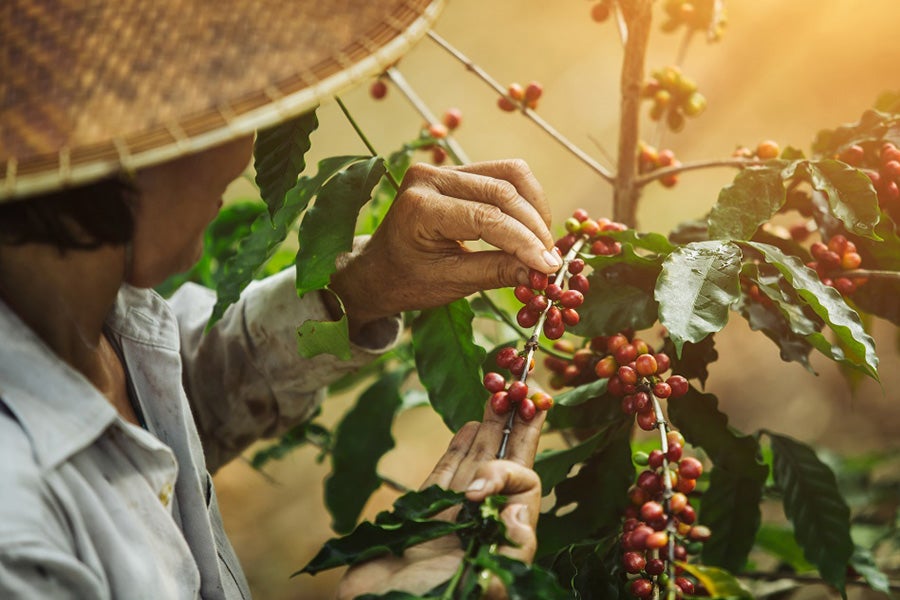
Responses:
[417,258]
[468,464]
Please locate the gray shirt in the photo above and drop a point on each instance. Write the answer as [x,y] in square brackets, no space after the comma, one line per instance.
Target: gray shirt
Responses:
[94,507]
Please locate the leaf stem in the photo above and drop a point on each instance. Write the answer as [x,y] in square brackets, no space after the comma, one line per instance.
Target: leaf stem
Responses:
[365,140]
[457,153]
[530,114]
[450,592]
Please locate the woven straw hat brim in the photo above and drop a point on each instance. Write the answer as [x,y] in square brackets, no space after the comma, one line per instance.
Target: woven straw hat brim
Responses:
[92,87]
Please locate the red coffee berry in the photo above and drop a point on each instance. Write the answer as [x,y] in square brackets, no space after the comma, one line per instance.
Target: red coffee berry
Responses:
[690,468]
[554,316]
[506,356]
[378,89]
[655,566]
[634,562]
[652,510]
[500,403]
[677,502]
[674,437]
[642,402]
[662,390]
[600,12]
[655,459]
[538,303]
[844,286]
[700,533]
[615,342]
[533,91]
[686,486]
[627,375]
[518,390]
[437,130]
[494,382]
[647,421]
[678,384]
[506,104]
[526,409]
[542,401]
[674,453]
[452,118]
[538,280]
[579,282]
[663,362]
[581,215]
[642,588]
[687,515]
[657,540]
[571,317]
[571,299]
[553,291]
[527,318]
[767,149]
[837,243]
[850,261]
[645,364]
[438,155]
[625,354]
[576,266]
[650,483]
[553,331]
[516,91]
[523,293]
[606,367]
[518,366]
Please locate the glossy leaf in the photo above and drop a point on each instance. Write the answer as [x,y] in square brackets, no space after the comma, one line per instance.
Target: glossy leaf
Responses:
[828,304]
[592,570]
[267,234]
[731,503]
[522,582]
[360,440]
[815,506]
[780,543]
[324,337]
[697,286]
[327,228]
[873,126]
[754,197]
[792,347]
[612,305]
[449,362]
[553,466]
[278,157]
[719,583]
[384,193]
[863,563]
[879,295]
[597,412]
[582,393]
[599,492]
[695,358]
[850,193]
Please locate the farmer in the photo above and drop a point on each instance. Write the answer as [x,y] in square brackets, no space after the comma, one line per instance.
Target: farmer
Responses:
[121,123]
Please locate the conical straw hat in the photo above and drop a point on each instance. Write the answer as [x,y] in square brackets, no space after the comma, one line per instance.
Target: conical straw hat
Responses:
[91,87]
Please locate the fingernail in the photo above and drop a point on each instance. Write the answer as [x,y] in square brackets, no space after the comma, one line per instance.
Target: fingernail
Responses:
[552,260]
[522,276]
[522,515]
[476,485]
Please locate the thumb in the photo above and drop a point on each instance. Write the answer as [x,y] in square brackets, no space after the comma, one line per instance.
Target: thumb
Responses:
[520,531]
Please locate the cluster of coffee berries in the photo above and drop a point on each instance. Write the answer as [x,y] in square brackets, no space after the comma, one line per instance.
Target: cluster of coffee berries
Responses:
[651,159]
[660,523]
[674,97]
[601,11]
[508,395]
[693,14]
[438,131]
[517,97]
[765,150]
[580,225]
[544,296]
[833,260]
[886,178]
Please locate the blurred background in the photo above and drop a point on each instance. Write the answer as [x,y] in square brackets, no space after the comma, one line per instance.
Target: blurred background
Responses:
[782,71]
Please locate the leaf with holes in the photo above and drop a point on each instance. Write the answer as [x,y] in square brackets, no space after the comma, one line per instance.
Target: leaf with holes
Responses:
[278,157]
[828,304]
[696,288]
[327,228]
[449,362]
[267,234]
[754,197]
[360,440]
[815,506]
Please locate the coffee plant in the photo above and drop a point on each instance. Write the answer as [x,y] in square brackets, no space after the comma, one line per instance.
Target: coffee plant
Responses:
[654,494]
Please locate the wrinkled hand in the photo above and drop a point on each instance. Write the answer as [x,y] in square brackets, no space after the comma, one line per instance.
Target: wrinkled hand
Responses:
[468,464]
[416,259]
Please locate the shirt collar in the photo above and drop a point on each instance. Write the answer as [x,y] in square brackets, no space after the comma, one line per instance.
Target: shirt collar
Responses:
[57,407]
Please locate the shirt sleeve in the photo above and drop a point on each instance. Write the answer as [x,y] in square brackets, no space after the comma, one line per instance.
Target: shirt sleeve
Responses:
[244,377]
[35,570]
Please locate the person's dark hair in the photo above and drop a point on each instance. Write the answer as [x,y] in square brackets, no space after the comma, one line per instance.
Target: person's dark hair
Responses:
[82,218]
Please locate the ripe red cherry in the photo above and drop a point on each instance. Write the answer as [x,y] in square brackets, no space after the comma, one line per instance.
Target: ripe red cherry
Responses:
[767,149]
[651,511]
[606,367]
[554,292]
[533,91]
[538,303]
[576,266]
[571,299]
[506,356]
[686,585]
[687,515]
[518,390]
[500,403]
[690,468]
[634,562]
[553,331]
[378,90]
[663,362]
[677,502]
[571,317]
[452,118]
[506,104]
[494,382]
[615,342]
[657,540]
[674,453]
[437,130]
[537,279]
[600,12]
[579,282]
[649,482]
[678,384]
[627,375]
[655,459]
[661,389]
[625,354]
[526,409]
[523,293]
[645,365]
[642,402]
[655,566]
[527,318]
[542,401]
[647,420]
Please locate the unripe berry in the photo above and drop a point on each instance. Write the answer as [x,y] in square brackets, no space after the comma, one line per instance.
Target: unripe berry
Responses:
[572,225]
[674,437]
[494,382]
[437,130]
[677,502]
[542,401]
[700,533]
[589,227]
[657,540]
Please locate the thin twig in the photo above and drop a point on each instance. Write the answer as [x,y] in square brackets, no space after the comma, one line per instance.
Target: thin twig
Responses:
[397,78]
[530,114]
[393,484]
[870,273]
[685,44]
[515,327]
[365,140]
[736,162]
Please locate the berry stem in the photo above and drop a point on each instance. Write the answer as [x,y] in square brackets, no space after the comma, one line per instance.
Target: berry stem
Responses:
[457,154]
[533,341]
[740,163]
[504,316]
[637,16]
[365,140]
[537,120]
[662,424]
[685,44]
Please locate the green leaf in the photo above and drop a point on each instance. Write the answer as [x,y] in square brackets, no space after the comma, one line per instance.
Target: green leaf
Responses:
[522,582]
[392,532]
[850,193]
[780,543]
[553,466]
[449,362]
[597,412]
[361,438]
[278,157]
[695,358]
[599,492]
[305,433]
[879,295]
[754,197]
[612,305]
[327,228]
[792,347]
[731,503]
[814,505]
[828,304]
[384,194]
[592,569]
[324,337]
[873,126]
[719,583]
[267,234]
[697,285]
[582,393]
[863,563]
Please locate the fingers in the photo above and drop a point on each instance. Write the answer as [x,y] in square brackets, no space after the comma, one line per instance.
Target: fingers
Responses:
[520,484]
[447,466]
[520,529]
